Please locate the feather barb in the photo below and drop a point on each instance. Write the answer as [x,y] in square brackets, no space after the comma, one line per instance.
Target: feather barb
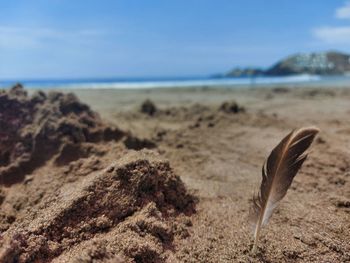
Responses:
[278,172]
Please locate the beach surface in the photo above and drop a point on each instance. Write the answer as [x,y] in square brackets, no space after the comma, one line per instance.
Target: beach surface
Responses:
[202,150]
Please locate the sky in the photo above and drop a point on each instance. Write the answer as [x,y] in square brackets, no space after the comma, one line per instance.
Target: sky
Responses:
[158,38]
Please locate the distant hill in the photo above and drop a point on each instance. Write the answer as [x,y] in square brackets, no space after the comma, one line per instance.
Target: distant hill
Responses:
[245,72]
[321,63]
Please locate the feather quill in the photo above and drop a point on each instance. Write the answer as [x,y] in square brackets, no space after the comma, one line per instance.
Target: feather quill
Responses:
[278,172]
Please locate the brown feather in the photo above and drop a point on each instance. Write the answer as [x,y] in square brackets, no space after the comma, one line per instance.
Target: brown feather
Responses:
[277,175]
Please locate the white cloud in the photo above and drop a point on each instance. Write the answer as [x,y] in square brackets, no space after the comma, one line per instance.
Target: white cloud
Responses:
[24,38]
[343,12]
[333,35]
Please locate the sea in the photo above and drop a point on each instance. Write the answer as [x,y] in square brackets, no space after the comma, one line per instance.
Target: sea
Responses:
[180,82]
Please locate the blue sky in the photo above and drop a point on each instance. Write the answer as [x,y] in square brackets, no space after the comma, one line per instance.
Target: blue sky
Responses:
[129,38]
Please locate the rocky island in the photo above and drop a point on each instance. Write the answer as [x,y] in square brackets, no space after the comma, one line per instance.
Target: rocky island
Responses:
[321,63]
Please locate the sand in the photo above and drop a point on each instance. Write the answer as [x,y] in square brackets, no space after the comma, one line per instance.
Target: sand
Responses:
[172,180]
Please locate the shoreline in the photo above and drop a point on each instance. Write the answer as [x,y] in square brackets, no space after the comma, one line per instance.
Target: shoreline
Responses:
[197,82]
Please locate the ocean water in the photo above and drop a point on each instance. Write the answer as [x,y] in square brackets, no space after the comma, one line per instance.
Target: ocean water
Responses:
[144,83]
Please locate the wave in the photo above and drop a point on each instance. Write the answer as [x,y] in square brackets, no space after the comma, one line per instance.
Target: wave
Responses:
[170,83]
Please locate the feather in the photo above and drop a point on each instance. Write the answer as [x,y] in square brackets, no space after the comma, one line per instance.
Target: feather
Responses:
[278,172]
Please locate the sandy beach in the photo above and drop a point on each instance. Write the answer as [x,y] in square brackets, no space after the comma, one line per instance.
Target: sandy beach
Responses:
[202,149]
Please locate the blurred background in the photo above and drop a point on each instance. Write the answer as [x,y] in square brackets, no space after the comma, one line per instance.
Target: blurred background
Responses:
[128,44]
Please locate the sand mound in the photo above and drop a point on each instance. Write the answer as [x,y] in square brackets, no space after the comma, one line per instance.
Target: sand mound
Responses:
[65,202]
[128,209]
[231,107]
[148,107]
[34,129]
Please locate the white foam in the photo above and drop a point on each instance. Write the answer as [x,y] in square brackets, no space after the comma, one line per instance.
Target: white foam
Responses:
[190,83]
